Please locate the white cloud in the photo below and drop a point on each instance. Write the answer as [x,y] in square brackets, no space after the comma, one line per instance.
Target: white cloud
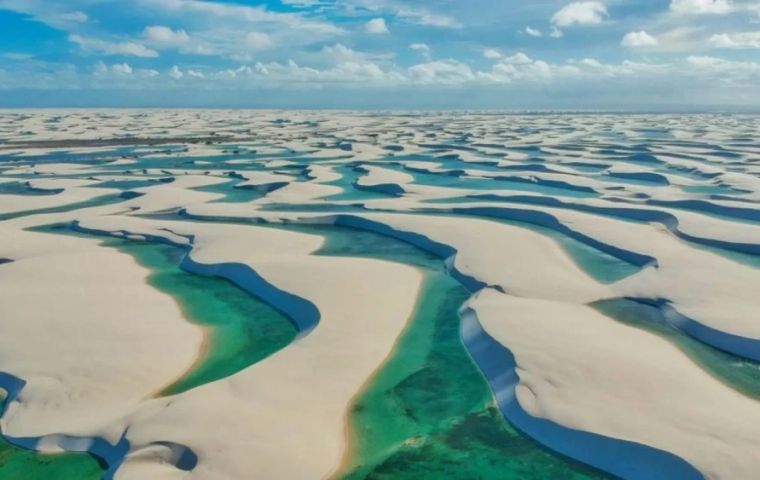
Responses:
[258,41]
[441,72]
[162,34]
[290,72]
[533,32]
[162,37]
[113,48]
[517,59]
[580,13]
[424,17]
[700,7]
[231,14]
[591,62]
[16,56]
[122,68]
[376,26]
[728,72]
[421,48]
[520,68]
[556,33]
[76,16]
[340,53]
[702,75]
[491,53]
[736,40]
[638,39]
[407,11]
[117,70]
[100,68]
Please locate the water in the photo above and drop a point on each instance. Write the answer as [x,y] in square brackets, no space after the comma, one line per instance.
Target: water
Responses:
[491,185]
[242,329]
[232,194]
[428,413]
[94,202]
[132,184]
[21,464]
[22,188]
[599,265]
[736,372]
[349,176]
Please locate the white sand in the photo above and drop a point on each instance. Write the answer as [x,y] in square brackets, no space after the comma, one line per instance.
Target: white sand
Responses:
[103,341]
[264,407]
[585,371]
[86,332]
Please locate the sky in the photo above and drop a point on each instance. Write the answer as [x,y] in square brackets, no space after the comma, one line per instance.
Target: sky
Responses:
[382,54]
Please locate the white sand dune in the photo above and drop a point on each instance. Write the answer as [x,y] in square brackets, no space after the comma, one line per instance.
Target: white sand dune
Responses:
[586,372]
[77,316]
[315,378]
[677,197]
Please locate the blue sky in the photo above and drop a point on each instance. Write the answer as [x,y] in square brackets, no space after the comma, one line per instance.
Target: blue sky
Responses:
[611,54]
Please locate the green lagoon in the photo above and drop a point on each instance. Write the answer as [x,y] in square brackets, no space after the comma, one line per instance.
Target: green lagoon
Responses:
[428,413]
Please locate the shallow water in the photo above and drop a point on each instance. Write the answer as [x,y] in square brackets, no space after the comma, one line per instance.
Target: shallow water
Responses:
[21,464]
[428,413]
[737,372]
[94,202]
[22,188]
[242,329]
[597,264]
[232,194]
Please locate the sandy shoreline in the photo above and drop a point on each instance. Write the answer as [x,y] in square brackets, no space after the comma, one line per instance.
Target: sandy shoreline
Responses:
[539,215]
[349,455]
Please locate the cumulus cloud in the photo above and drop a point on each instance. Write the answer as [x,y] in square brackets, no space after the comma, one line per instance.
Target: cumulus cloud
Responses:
[16,56]
[422,17]
[376,26]
[347,72]
[409,12]
[728,72]
[741,40]
[441,72]
[491,53]
[533,32]
[120,71]
[556,33]
[523,69]
[700,7]
[76,16]
[258,41]
[112,48]
[101,69]
[580,13]
[340,53]
[162,34]
[124,68]
[517,71]
[421,48]
[638,39]
[517,59]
